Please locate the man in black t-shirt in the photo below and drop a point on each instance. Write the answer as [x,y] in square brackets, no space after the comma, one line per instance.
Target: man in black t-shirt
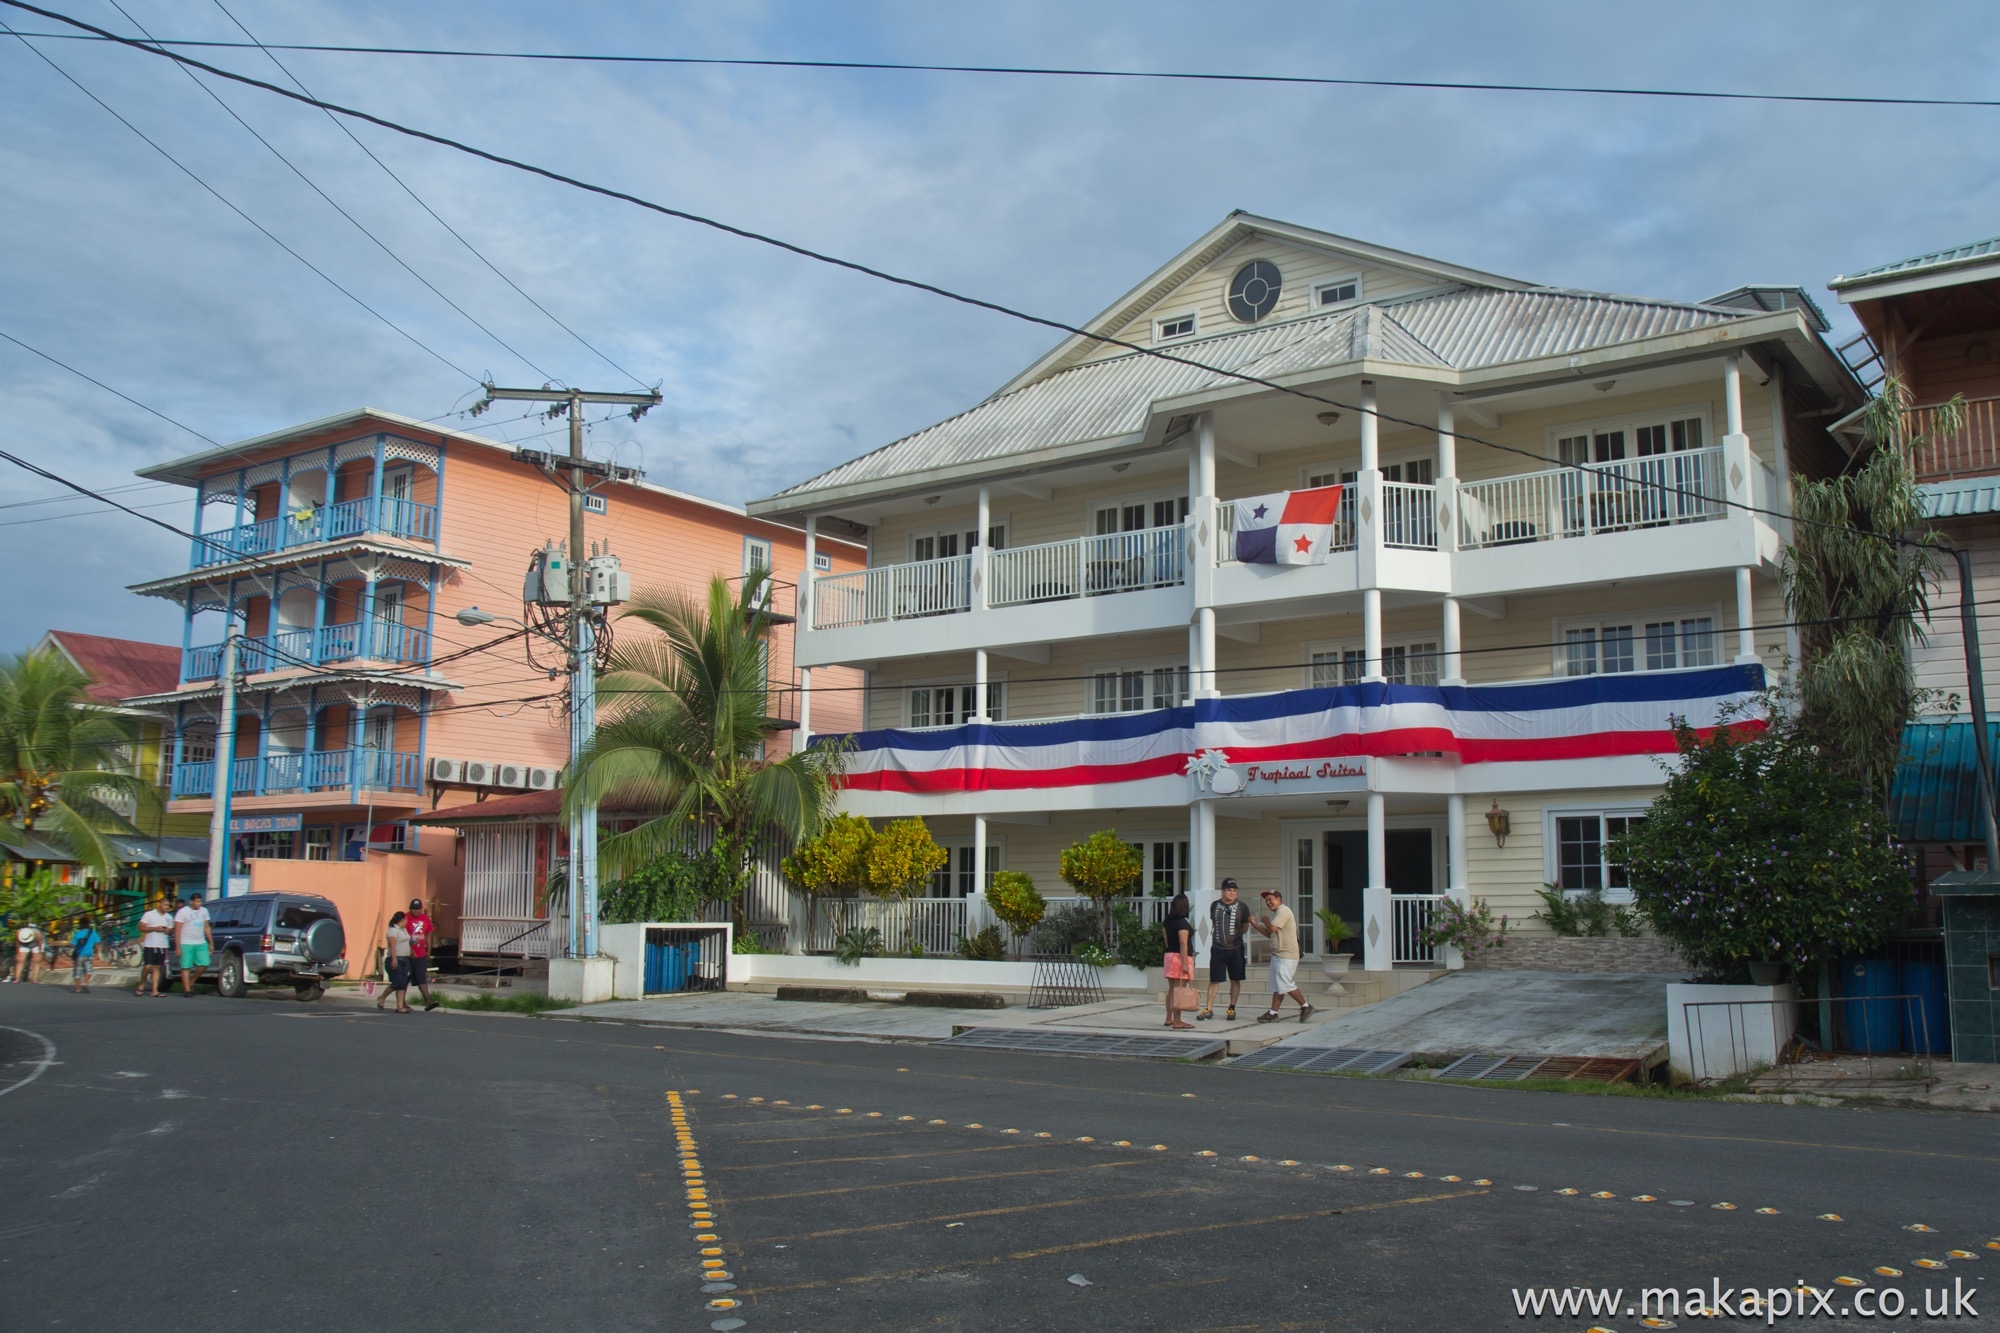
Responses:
[1228,951]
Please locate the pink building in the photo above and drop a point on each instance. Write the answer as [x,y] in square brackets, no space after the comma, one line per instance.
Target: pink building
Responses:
[343,549]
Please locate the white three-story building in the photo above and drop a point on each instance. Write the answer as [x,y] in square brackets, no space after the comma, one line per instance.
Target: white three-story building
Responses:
[1559,524]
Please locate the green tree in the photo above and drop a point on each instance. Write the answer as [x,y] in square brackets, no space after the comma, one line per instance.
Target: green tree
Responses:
[902,858]
[1017,902]
[833,863]
[688,722]
[57,758]
[1858,583]
[1756,850]
[39,898]
[1102,867]
[667,888]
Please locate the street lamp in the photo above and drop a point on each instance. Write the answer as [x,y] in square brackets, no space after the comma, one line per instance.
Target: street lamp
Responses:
[472,616]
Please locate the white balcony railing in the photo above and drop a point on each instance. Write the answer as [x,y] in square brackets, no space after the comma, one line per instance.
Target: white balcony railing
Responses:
[1409,515]
[893,592]
[1650,492]
[1087,566]
[1412,913]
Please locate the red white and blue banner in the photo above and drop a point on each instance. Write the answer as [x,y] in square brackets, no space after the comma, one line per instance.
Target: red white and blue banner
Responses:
[1286,528]
[1583,718]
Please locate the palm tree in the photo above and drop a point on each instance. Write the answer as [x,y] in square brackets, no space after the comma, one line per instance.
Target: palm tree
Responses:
[687,719]
[56,752]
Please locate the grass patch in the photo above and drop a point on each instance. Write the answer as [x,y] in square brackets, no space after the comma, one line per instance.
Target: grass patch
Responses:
[525,1003]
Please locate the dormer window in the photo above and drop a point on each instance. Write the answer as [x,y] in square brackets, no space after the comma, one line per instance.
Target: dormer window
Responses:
[1170,328]
[1340,291]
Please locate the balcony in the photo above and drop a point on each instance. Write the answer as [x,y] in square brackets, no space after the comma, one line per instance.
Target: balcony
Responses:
[1656,491]
[1972,450]
[332,645]
[387,516]
[311,771]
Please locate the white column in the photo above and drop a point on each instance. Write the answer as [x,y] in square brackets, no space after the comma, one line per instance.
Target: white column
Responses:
[979,678]
[1371,634]
[982,565]
[1732,392]
[1202,873]
[805,706]
[806,574]
[1204,684]
[1377,919]
[1451,670]
[1457,881]
[1204,458]
[975,906]
[1371,453]
[1447,462]
[1746,634]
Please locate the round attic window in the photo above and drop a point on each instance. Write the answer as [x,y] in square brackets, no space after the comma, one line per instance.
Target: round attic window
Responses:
[1253,292]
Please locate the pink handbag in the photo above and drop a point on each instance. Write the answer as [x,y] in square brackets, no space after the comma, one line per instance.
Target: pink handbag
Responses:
[1181,997]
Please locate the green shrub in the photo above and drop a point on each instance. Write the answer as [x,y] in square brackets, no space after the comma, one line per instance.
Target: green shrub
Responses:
[1102,867]
[669,888]
[901,858]
[1090,951]
[1139,945]
[1017,902]
[1063,929]
[748,943]
[851,946]
[986,945]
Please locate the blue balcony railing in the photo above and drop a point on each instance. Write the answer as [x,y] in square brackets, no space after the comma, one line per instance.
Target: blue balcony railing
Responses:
[308,771]
[381,641]
[392,517]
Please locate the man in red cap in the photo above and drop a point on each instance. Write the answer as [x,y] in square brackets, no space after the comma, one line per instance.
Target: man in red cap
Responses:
[420,926]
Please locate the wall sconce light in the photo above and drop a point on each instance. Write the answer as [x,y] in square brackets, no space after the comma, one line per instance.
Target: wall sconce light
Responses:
[932,499]
[1120,467]
[1501,823]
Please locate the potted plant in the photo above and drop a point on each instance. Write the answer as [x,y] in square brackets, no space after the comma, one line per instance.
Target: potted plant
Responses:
[1331,961]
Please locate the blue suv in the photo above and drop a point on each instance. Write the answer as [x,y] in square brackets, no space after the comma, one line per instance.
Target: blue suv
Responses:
[273,939]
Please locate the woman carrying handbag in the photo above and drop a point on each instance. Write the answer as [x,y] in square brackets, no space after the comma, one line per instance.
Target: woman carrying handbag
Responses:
[1179,962]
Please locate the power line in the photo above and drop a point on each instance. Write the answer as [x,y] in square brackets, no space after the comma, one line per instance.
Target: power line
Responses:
[914,284]
[272,236]
[1076,72]
[178,425]
[405,186]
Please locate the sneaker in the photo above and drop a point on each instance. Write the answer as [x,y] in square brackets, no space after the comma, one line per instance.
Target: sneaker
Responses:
[430,1005]
[1304,1011]
[1204,1015]
[1268,1016]
[1231,1015]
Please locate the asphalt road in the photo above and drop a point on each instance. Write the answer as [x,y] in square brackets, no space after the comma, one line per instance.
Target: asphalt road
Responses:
[258,1163]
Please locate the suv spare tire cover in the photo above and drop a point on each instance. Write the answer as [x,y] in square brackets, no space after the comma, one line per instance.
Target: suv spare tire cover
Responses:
[324,939]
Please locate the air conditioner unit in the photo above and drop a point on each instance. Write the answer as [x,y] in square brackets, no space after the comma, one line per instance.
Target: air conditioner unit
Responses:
[509,775]
[447,770]
[541,779]
[478,773]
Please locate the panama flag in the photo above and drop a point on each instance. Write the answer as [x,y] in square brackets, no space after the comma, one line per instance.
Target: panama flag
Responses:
[1288,528]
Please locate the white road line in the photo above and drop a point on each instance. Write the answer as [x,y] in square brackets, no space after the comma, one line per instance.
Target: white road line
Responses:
[48,1058]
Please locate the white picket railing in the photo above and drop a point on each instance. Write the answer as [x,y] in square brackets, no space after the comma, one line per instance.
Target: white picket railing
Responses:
[1087,566]
[1411,914]
[1649,492]
[893,592]
[1409,515]
[1343,527]
[935,923]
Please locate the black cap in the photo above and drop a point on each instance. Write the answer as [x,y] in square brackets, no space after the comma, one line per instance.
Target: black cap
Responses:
[1228,883]
[416,904]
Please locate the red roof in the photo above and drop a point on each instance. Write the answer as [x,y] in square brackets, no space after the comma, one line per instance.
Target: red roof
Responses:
[120,669]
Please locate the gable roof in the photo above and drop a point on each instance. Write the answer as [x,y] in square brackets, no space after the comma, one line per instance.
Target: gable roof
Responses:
[119,669]
[1238,227]
[1974,252]
[1112,399]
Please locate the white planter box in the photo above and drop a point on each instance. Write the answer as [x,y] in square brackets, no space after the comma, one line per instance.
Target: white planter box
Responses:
[1716,1032]
[917,973]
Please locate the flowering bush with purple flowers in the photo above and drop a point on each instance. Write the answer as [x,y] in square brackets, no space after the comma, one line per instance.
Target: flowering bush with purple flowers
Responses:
[1755,850]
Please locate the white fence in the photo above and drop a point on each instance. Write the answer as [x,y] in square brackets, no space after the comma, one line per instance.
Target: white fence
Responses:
[1087,566]
[1409,515]
[934,923]
[1654,491]
[1411,914]
[892,592]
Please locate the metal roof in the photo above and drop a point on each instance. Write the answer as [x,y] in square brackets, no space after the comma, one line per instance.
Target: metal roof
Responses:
[1957,254]
[1464,329]
[1935,797]
[1962,498]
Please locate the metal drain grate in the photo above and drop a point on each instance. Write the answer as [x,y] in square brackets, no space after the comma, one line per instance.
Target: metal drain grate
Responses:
[1086,1043]
[1489,1067]
[1320,1060]
[1476,1065]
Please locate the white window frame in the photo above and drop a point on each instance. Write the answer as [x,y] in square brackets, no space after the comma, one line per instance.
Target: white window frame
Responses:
[1630,423]
[1146,667]
[1638,619]
[1170,494]
[1341,281]
[1160,322]
[595,502]
[1552,850]
[1319,474]
[958,864]
[750,545]
[1339,647]
[997,532]
[996,687]
[822,562]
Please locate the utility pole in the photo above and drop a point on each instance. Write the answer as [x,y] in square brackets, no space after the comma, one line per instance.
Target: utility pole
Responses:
[225,763]
[1975,684]
[582,627]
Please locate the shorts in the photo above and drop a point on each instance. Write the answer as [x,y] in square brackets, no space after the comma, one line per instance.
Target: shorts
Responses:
[81,966]
[399,973]
[1227,964]
[153,957]
[1284,975]
[194,955]
[420,970]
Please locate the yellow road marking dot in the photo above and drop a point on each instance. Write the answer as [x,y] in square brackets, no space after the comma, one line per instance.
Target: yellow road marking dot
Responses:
[1604,1194]
[1206,1152]
[1889,1272]
[1286,1161]
[1831,1217]
[728,1096]
[707,1236]
[1413,1175]
[937,1122]
[1188,1095]
[1250,1159]
[1569,1192]
[1767,1212]
[1644,1198]
[906,1117]
[845,1110]
[712,1263]
[1849,1282]
[694,1092]
[815,1107]
[781,1102]
[1723,1207]
[1379,1171]
[874,1115]
[1993,1244]
[1343,1168]
[1930,1263]
[1960,1254]
[901,1070]
[1122,1143]
[1043,1134]
[756,1099]
[1918,1226]
[1482,1182]
[1010,1131]
[1651,1321]
[1161,1147]
[1085,1138]
[975,1125]
[722,1303]
[1453,1179]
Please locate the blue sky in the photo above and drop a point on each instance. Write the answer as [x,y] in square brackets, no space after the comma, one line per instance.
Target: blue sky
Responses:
[1051,195]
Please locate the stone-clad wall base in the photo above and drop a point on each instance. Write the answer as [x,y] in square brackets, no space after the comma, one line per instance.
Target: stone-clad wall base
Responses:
[1555,953]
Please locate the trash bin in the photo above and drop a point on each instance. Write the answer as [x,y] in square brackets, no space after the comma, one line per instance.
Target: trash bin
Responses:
[1868,1020]
[1927,1017]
